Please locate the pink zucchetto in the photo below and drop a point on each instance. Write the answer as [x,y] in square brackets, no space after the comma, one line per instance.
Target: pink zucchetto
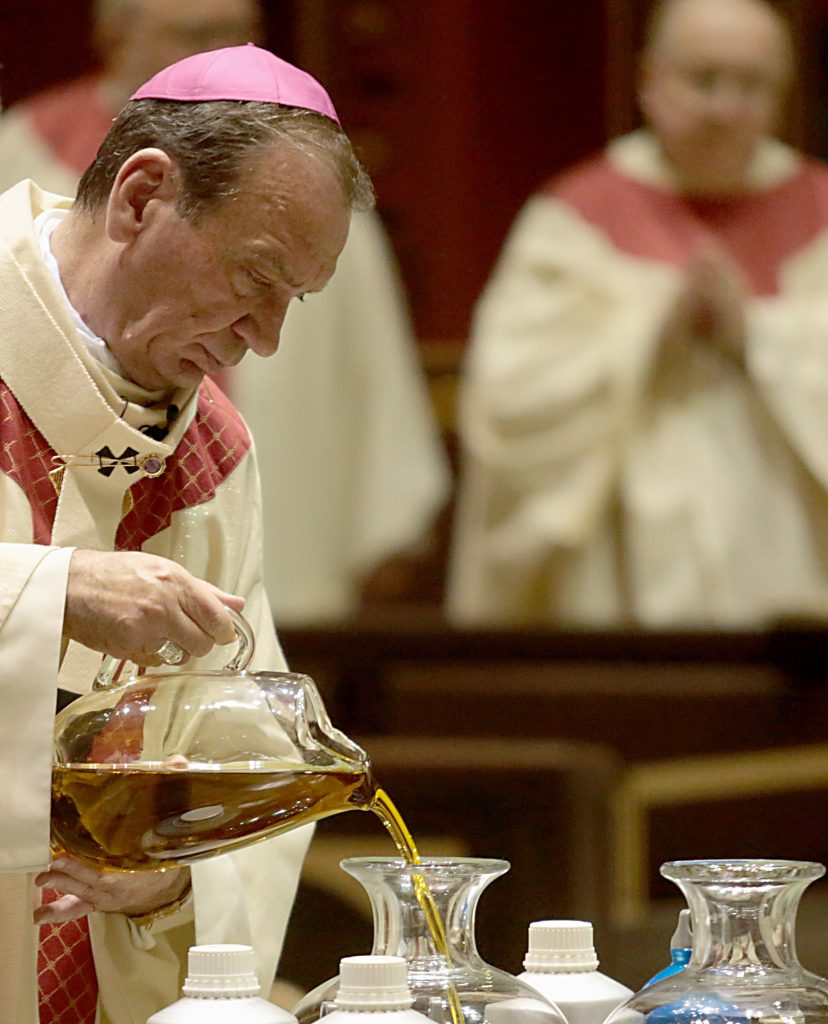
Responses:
[238,73]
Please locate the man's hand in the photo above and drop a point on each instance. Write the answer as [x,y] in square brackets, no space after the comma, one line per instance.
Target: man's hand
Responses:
[127,603]
[711,307]
[86,887]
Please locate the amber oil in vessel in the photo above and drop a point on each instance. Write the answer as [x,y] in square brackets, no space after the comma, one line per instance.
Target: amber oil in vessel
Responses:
[146,816]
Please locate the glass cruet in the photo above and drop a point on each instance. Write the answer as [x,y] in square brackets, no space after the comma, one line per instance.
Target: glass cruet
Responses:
[744,965]
[454,986]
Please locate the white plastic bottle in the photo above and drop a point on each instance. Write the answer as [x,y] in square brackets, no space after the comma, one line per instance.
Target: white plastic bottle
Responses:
[521,1011]
[561,964]
[222,988]
[375,985]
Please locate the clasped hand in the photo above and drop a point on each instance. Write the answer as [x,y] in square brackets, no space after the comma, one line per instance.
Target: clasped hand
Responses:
[710,306]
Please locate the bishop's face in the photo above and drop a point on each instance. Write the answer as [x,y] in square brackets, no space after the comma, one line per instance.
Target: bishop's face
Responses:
[712,92]
[199,296]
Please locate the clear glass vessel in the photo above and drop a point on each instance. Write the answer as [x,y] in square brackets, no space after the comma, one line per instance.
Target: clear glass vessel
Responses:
[450,982]
[173,766]
[744,966]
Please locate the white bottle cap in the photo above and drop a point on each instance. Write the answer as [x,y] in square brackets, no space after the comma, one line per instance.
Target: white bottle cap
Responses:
[221,972]
[373,983]
[560,946]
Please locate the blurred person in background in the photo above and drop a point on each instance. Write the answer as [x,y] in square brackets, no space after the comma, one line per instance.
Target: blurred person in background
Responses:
[353,469]
[645,405]
[53,136]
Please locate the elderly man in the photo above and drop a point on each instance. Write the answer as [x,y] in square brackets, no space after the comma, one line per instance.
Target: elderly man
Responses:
[646,398]
[346,494]
[130,501]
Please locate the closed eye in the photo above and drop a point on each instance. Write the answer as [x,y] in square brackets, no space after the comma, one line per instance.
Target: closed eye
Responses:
[258,279]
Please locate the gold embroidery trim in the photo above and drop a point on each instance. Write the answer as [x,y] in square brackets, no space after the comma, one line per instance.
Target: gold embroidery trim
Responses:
[56,477]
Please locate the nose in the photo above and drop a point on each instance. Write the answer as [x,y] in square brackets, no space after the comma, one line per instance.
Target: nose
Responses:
[728,101]
[726,107]
[260,328]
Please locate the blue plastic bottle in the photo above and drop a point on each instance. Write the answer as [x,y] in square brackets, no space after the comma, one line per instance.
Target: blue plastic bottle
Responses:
[704,1010]
[681,949]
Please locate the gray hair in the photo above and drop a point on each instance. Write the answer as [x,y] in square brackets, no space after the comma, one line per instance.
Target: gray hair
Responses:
[211,142]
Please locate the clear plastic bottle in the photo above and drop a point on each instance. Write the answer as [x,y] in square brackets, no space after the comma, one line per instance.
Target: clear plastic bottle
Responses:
[222,988]
[377,985]
[681,949]
[561,964]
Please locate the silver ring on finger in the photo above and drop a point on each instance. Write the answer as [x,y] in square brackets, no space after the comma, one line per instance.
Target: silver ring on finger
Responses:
[170,653]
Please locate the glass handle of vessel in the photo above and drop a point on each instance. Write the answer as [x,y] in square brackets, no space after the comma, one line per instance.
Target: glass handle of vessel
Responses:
[109,673]
[245,640]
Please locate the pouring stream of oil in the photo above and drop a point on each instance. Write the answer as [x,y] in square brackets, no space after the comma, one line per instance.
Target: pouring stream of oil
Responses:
[383,806]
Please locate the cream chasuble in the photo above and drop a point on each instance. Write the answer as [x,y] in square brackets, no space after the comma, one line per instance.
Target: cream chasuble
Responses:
[613,478]
[202,510]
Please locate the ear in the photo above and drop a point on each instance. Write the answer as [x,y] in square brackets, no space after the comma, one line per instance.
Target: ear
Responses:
[145,179]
